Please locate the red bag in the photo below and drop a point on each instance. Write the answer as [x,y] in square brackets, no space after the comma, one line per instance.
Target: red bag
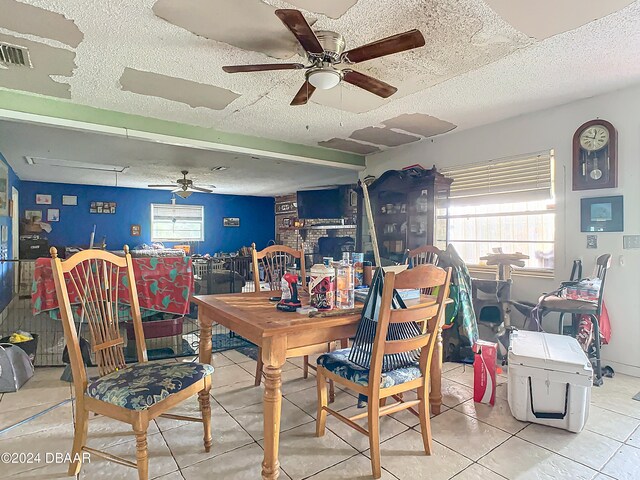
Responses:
[585,329]
[605,325]
[484,372]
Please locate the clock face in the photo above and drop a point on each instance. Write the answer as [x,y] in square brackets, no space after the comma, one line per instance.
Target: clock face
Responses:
[594,138]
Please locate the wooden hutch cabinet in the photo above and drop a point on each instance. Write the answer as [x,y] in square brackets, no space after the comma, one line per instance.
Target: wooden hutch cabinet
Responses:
[409,210]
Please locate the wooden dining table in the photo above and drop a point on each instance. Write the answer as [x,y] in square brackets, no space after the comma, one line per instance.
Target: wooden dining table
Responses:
[255,318]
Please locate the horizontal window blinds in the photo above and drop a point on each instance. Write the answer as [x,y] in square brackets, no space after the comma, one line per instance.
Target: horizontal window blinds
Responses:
[524,179]
[177,223]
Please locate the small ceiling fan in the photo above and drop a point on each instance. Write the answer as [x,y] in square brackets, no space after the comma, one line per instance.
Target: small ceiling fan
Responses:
[184,187]
[325,50]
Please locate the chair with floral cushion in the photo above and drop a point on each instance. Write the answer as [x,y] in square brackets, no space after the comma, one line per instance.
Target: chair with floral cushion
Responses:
[93,281]
[380,381]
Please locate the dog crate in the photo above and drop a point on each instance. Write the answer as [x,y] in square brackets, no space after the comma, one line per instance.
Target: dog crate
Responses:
[18,315]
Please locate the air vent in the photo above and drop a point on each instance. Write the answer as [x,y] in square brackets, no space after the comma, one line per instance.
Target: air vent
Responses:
[53,162]
[13,55]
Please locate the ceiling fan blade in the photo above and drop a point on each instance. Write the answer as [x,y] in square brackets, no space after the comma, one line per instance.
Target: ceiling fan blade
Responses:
[263,67]
[162,186]
[368,83]
[386,46]
[304,94]
[200,189]
[295,21]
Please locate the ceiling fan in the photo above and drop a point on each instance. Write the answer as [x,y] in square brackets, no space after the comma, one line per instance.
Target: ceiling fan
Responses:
[183,186]
[325,50]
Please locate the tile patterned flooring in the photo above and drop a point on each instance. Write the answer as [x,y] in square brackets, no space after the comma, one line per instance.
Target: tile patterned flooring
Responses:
[471,441]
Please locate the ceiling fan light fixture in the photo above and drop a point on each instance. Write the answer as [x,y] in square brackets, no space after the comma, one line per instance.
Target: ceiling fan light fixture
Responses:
[184,193]
[324,78]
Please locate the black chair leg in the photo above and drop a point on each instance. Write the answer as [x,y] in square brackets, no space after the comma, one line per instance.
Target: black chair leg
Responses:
[597,381]
[561,324]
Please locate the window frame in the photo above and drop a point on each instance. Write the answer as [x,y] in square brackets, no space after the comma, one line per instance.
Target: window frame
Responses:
[175,240]
[481,268]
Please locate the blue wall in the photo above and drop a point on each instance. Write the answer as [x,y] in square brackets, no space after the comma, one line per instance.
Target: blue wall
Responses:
[6,268]
[133,207]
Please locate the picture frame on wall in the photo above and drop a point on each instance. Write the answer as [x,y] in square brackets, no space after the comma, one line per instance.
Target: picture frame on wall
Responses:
[69,200]
[602,214]
[231,222]
[43,199]
[33,215]
[135,230]
[4,189]
[53,215]
[102,207]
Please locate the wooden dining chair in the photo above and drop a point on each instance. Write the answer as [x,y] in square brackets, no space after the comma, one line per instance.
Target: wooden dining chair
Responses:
[378,385]
[275,261]
[426,254]
[94,281]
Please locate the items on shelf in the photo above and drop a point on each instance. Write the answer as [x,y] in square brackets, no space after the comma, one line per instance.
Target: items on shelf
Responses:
[408,208]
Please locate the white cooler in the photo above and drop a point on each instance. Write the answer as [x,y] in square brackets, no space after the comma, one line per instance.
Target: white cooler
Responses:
[550,379]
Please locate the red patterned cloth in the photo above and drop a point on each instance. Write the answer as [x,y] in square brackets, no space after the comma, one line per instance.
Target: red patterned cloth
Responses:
[164,284]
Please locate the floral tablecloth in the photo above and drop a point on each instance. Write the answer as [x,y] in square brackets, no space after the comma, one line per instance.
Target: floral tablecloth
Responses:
[164,284]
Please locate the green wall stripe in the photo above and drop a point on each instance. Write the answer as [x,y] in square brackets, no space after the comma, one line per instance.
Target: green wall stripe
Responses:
[52,107]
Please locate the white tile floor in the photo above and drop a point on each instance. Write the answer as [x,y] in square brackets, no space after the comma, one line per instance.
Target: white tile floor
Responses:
[471,441]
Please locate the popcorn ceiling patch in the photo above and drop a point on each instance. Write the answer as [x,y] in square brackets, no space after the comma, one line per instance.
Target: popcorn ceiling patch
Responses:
[330,8]
[349,146]
[544,18]
[177,89]
[23,18]
[246,24]
[382,136]
[420,124]
[476,68]
[47,61]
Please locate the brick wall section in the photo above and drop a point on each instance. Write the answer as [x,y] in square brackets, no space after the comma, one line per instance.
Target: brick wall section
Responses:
[293,238]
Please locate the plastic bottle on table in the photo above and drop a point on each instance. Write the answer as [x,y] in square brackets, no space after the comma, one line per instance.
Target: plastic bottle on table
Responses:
[345,283]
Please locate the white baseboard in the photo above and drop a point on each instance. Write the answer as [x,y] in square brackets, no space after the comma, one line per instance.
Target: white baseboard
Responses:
[622,368]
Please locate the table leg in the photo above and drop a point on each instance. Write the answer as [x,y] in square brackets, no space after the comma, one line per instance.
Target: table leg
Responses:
[204,348]
[273,357]
[435,397]
[204,356]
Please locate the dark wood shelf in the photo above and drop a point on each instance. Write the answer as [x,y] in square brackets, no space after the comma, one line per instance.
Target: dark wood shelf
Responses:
[403,187]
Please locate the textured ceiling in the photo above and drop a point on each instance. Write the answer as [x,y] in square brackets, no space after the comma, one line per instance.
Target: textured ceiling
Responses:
[154,163]
[483,60]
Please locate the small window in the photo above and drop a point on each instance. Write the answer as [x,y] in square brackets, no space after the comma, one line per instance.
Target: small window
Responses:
[504,204]
[177,223]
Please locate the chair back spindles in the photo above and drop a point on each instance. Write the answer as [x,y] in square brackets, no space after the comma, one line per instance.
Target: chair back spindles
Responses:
[424,255]
[275,260]
[93,279]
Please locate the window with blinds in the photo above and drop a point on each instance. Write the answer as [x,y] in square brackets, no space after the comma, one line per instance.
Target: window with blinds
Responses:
[505,204]
[177,223]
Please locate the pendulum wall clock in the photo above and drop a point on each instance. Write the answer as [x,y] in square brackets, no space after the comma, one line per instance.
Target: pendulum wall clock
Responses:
[595,156]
